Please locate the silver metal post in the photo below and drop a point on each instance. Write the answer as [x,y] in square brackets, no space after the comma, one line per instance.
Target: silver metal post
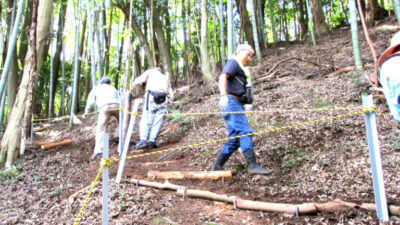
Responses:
[120,126]
[376,162]
[104,217]
[127,141]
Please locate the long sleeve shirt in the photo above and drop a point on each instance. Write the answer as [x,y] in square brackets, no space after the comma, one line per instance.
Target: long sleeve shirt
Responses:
[390,80]
[101,95]
[155,82]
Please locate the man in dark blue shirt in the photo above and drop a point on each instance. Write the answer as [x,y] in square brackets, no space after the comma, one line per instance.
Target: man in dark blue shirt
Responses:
[232,86]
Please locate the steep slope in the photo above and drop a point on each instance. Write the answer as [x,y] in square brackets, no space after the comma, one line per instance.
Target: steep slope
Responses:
[314,163]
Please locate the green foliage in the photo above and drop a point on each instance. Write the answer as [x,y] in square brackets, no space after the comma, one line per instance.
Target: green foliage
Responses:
[9,173]
[204,152]
[238,168]
[175,117]
[55,192]
[252,122]
[293,157]
[321,104]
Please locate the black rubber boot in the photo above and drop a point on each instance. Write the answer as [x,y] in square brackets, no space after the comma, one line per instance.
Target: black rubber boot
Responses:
[220,161]
[254,168]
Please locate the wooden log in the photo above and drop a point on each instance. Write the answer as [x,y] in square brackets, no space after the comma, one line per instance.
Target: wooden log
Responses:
[336,205]
[56,144]
[201,175]
[342,70]
[157,163]
[40,143]
[163,186]
[41,127]
[301,208]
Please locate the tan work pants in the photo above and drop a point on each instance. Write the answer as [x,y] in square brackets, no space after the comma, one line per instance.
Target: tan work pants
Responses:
[105,114]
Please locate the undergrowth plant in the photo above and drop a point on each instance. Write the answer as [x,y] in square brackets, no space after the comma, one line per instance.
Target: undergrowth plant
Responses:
[9,173]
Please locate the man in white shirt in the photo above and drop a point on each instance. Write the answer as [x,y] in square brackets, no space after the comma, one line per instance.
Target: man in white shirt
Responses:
[390,76]
[107,99]
[157,94]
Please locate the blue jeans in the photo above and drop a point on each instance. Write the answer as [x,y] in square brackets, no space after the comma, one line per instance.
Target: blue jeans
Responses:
[152,117]
[237,124]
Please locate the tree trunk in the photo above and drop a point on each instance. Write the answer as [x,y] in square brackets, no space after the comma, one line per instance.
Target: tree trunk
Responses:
[120,53]
[33,62]
[302,21]
[319,18]
[138,31]
[185,48]
[24,34]
[245,21]
[229,14]
[373,12]
[205,60]
[153,36]
[57,54]
[76,64]
[189,41]
[12,77]
[108,42]
[81,51]
[89,10]
[162,45]
[272,19]
[255,30]
[222,31]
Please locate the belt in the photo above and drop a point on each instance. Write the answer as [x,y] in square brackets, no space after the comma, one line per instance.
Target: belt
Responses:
[234,96]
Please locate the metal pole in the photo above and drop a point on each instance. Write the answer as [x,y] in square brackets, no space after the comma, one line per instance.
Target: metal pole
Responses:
[104,208]
[120,120]
[127,141]
[376,162]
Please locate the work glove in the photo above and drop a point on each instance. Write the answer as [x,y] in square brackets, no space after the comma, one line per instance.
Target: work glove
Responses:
[223,102]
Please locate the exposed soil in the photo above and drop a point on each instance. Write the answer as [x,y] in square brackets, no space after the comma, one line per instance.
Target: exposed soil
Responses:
[315,163]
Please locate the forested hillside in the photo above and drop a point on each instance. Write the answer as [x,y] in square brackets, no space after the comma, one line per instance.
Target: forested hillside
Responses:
[310,68]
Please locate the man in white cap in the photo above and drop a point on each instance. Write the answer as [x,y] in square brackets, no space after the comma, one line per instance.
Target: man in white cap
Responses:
[234,90]
[158,93]
[390,76]
[107,99]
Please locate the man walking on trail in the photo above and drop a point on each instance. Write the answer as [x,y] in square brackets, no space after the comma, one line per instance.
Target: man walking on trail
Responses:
[157,94]
[107,99]
[235,90]
[390,76]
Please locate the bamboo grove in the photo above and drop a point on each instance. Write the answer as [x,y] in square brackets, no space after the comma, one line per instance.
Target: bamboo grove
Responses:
[55,51]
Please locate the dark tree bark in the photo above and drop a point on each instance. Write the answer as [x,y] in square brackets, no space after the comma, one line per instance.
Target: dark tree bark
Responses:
[162,44]
[373,12]
[13,72]
[319,18]
[302,20]
[24,34]
[245,21]
[142,38]
[57,54]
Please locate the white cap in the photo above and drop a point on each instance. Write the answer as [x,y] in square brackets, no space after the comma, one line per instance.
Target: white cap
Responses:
[393,45]
[244,47]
